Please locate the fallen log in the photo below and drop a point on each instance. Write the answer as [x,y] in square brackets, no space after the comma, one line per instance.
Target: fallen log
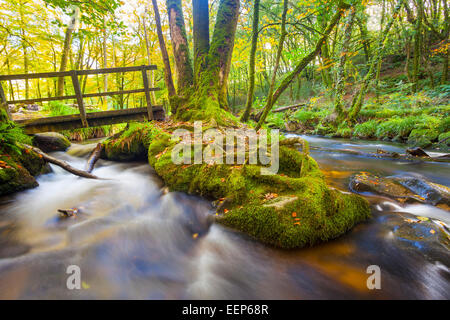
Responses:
[281,109]
[62,164]
[93,158]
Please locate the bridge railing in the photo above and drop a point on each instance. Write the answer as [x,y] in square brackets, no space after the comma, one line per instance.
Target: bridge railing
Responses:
[79,95]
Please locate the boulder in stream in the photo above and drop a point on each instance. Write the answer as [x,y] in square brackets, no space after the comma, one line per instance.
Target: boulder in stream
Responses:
[401,188]
[51,141]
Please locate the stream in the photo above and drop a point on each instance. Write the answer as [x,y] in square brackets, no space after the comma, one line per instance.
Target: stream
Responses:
[133,241]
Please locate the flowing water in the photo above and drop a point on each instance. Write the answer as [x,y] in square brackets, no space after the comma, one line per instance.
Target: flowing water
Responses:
[133,241]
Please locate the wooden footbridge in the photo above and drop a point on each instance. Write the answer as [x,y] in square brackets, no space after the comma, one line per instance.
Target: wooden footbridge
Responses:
[84,119]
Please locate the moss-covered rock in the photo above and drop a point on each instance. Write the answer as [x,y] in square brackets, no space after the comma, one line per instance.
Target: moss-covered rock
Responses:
[422,137]
[51,141]
[18,169]
[127,145]
[291,209]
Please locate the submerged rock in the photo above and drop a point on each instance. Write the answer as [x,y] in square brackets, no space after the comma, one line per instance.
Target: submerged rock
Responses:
[51,141]
[401,188]
[431,236]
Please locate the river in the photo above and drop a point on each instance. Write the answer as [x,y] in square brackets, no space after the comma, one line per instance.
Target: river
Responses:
[131,240]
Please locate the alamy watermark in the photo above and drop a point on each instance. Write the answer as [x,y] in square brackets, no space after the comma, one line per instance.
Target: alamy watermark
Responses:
[229,146]
[374,281]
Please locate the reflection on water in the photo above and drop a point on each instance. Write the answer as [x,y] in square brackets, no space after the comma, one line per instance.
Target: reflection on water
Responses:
[132,241]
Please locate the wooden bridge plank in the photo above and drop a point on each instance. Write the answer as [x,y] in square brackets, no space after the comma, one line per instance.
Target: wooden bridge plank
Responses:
[116,70]
[27,101]
[79,72]
[25,76]
[87,95]
[113,93]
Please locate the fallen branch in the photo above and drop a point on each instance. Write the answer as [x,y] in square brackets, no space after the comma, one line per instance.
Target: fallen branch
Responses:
[93,158]
[62,164]
[295,106]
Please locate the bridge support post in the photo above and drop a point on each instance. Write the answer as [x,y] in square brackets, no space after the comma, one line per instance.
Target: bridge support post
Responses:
[147,93]
[3,102]
[76,87]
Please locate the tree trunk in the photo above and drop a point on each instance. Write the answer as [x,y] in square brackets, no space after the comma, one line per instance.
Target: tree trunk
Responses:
[64,58]
[162,46]
[221,50]
[251,63]
[105,57]
[25,54]
[183,65]
[417,45]
[377,77]
[201,35]
[149,59]
[359,97]
[340,74]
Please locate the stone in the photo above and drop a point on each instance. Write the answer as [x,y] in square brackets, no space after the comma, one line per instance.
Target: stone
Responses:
[51,141]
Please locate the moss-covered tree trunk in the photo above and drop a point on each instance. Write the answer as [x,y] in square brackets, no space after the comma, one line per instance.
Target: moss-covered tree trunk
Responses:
[251,63]
[444,76]
[417,45]
[359,97]
[183,64]
[340,72]
[220,52]
[203,95]
[201,35]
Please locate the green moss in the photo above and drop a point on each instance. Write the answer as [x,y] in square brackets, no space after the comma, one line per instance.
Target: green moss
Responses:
[445,136]
[17,170]
[298,187]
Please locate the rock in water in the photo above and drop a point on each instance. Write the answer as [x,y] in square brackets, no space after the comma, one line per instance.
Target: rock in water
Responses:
[417,152]
[432,193]
[51,141]
[401,188]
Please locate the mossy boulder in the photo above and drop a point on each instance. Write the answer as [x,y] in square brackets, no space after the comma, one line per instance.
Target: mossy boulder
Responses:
[422,138]
[293,208]
[18,169]
[51,141]
[126,146]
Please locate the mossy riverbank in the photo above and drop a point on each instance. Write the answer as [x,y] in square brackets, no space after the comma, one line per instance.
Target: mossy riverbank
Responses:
[419,120]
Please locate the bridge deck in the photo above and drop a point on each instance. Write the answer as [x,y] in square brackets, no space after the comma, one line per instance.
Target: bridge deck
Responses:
[94,119]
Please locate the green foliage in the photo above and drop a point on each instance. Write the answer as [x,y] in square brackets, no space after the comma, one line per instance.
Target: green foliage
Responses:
[366,130]
[441,92]
[57,108]
[276,120]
